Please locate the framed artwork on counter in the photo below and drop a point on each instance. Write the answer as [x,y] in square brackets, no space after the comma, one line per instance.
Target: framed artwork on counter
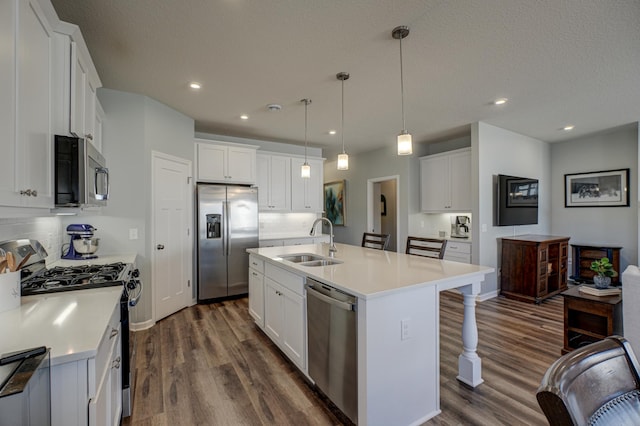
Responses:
[335,202]
[609,188]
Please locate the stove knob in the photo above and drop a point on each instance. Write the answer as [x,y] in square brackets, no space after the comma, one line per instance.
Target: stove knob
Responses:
[135,273]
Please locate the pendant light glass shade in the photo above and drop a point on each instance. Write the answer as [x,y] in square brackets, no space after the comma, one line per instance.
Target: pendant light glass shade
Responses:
[405,147]
[405,143]
[343,159]
[305,169]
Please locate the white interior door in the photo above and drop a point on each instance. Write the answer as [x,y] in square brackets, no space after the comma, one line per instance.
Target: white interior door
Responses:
[172,253]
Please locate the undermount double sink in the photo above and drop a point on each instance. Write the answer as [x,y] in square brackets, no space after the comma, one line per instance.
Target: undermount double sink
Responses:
[309,259]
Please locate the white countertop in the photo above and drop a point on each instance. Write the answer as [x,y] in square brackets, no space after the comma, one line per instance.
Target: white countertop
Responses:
[288,235]
[100,260]
[71,323]
[368,273]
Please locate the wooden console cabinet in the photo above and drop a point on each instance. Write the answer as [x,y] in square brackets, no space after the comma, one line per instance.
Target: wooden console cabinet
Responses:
[534,267]
[582,256]
[588,319]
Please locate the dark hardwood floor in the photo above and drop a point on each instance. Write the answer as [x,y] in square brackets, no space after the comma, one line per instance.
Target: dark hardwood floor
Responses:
[210,365]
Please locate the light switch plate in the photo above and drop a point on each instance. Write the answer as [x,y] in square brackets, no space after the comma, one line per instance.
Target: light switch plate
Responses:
[133,233]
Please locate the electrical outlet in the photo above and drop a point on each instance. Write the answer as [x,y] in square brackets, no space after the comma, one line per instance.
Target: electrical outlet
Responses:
[405,332]
[133,233]
[484,227]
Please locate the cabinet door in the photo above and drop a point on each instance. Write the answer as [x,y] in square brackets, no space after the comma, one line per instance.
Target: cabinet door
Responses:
[293,332]
[263,166]
[89,109]
[280,183]
[256,297]
[33,137]
[460,181]
[8,194]
[241,165]
[79,77]
[211,163]
[434,184]
[273,314]
[97,130]
[306,193]
[115,384]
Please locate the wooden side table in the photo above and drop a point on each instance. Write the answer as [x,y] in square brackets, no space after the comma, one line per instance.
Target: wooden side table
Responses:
[588,319]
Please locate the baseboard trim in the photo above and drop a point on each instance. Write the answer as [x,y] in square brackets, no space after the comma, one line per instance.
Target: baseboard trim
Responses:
[139,326]
[486,296]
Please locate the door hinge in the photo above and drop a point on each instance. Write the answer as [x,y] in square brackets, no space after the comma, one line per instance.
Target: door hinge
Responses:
[188,232]
[188,179]
[188,283]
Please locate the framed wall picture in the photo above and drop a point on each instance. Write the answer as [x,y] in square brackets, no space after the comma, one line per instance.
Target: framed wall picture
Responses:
[334,202]
[608,188]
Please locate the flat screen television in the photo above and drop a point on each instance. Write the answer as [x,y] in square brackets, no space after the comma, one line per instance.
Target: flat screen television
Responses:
[516,201]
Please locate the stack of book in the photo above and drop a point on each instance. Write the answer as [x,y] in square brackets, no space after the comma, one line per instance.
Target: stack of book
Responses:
[609,291]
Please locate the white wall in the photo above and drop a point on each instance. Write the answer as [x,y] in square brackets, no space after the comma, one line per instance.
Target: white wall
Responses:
[614,149]
[374,164]
[134,126]
[498,151]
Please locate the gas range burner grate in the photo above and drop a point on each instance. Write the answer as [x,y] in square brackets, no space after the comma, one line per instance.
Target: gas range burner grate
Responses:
[65,278]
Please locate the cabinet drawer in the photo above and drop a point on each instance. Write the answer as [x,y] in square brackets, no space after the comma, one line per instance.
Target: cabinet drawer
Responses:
[256,263]
[270,243]
[291,281]
[98,364]
[457,248]
[455,257]
[298,241]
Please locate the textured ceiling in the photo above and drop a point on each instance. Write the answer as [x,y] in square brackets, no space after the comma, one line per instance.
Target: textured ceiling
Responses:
[557,61]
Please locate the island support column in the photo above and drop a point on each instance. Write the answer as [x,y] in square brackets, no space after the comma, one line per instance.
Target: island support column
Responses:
[469,363]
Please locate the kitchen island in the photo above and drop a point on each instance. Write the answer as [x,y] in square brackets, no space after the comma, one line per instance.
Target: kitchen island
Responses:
[397,323]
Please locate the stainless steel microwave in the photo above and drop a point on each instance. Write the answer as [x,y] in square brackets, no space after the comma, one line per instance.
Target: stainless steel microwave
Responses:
[81,176]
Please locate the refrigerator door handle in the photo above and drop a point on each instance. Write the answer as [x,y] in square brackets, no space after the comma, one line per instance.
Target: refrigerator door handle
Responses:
[227,243]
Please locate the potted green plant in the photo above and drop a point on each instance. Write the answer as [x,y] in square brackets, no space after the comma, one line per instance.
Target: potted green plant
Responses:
[604,271]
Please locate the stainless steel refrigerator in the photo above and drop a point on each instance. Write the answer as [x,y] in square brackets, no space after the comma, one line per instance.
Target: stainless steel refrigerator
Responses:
[227,226]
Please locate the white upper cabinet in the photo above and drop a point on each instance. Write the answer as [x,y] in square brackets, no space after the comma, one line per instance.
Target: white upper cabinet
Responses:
[225,163]
[445,182]
[306,194]
[274,182]
[75,99]
[25,105]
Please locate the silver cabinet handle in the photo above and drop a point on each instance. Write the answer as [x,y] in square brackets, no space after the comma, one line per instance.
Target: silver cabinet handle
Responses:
[160,247]
[114,333]
[90,136]
[29,192]
[116,363]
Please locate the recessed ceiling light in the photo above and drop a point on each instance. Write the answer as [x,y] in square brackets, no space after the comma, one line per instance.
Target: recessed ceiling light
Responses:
[244,117]
[568,128]
[195,85]
[332,132]
[500,101]
[274,107]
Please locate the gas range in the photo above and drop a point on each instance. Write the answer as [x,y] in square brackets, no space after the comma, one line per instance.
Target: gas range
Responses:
[67,278]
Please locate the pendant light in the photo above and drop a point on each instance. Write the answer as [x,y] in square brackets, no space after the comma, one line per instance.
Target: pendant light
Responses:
[305,170]
[343,159]
[404,138]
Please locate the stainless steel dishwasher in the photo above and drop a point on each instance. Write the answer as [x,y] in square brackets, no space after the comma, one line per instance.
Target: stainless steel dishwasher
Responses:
[333,356]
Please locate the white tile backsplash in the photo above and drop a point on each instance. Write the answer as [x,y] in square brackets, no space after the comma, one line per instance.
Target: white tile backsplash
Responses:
[277,224]
[47,230]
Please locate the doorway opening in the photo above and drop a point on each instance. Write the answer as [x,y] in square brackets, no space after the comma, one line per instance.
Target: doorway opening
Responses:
[382,208]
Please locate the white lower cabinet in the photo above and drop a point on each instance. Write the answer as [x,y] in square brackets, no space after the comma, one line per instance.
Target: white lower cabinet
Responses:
[256,290]
[285,313]
[89,391]
[458,252]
